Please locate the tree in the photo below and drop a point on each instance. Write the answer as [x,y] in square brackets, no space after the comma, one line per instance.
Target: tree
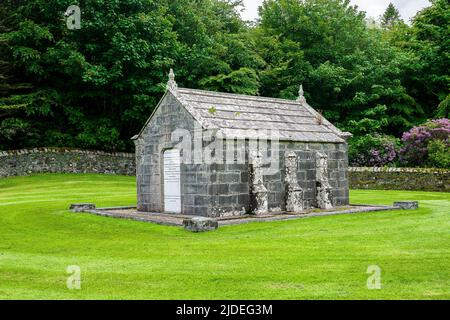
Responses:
[390,17]
[346,67]
[217,53]
[426,42]
[431,43]
[443,110]
[95,87]
[14,94]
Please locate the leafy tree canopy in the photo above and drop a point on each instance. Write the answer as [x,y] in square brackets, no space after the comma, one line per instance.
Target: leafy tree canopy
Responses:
[95,87]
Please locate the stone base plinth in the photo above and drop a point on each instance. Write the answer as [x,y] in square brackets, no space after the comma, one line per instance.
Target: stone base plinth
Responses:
[407,205]
[80,207]
[200,224]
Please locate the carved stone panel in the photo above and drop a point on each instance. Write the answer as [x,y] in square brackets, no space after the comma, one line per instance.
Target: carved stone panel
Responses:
[322,184]
[258,191]
[294,194]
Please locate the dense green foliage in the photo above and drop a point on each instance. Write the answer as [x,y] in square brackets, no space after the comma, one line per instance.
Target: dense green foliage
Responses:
[314,258]
[95,87]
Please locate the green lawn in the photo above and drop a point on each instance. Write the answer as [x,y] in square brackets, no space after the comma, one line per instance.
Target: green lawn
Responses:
[316,258]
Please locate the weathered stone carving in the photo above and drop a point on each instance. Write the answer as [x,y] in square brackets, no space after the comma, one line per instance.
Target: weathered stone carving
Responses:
[257,189]
[294,194]
[171,84]
[322,184]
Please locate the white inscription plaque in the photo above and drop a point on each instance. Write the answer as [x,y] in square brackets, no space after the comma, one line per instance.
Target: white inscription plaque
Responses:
[172,186]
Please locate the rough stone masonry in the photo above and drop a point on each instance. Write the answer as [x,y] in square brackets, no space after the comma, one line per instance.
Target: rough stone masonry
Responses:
[214,136]
[64,160]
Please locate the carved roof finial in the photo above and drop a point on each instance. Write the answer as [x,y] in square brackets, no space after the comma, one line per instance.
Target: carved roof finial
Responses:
[171,84]
[301,97]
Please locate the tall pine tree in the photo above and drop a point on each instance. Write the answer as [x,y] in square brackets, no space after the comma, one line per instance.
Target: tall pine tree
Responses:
[390,17]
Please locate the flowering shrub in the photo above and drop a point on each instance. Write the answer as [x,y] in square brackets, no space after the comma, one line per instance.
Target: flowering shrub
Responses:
[373,150]
[418,140]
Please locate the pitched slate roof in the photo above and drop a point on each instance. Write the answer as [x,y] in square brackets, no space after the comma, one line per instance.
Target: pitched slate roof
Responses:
[236,115]
[243,116]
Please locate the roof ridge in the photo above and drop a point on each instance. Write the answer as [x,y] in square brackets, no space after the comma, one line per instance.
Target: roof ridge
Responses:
[244,96]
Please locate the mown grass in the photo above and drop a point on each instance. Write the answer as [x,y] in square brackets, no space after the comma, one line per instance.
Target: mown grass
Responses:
[315,258]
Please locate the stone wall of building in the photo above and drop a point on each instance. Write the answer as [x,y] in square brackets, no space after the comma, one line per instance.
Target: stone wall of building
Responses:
[228,188]
[421,179]
[337,170]
[64,160]
[150,146]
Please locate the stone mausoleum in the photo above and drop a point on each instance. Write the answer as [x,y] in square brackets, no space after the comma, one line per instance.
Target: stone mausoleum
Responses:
[218,154]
